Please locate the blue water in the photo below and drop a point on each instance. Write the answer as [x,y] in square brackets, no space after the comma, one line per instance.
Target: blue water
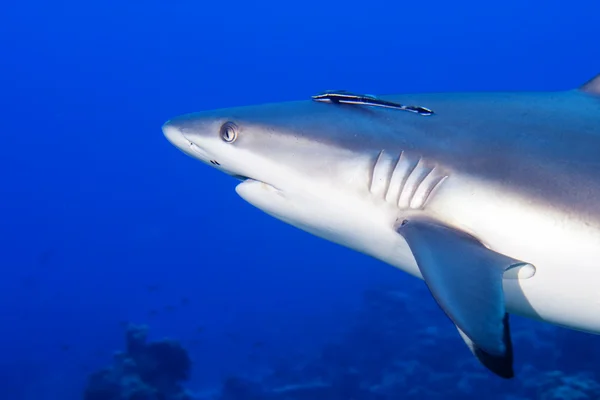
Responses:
[104,223]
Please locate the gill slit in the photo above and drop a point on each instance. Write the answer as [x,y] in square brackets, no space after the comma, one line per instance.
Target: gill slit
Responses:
[407,183]
[405,186]
[430,190]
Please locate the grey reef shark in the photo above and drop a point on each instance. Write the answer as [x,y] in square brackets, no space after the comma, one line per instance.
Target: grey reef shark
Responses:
[492,198]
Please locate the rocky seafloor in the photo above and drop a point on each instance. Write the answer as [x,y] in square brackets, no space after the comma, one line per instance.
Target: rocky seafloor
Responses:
[382,357]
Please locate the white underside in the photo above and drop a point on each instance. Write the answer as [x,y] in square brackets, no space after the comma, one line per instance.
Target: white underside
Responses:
[563,291]
[563,247]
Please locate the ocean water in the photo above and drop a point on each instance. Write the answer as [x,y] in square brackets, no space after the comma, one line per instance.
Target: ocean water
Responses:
[104,224]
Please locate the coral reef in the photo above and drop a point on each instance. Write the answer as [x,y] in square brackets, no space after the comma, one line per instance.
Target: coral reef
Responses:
[556,385]
[378,358]
[145,371]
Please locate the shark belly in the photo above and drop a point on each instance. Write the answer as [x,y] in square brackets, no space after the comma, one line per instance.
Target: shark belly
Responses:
[561,245]
[563,249]
[340,218]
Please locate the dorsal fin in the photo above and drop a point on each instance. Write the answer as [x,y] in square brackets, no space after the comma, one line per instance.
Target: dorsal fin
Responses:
[592,86]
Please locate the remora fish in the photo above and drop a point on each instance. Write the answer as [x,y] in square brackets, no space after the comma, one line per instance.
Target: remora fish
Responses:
[493,200]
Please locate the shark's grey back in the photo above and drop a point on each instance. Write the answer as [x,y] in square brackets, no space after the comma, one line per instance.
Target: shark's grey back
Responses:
[544,144]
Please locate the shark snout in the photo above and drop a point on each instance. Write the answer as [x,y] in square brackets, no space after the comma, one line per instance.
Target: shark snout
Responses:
[175,136]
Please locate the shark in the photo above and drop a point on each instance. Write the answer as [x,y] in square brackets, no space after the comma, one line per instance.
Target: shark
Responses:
[491,198]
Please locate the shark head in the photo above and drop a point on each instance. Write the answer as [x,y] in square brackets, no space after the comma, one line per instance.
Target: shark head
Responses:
[290,147]
[309,164]
[249,143]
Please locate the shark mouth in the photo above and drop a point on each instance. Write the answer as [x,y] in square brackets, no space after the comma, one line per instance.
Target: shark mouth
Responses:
[250,181]
[204,156]
[241,178]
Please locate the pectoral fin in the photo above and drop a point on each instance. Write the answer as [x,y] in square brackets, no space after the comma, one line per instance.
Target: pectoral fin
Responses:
[465,278]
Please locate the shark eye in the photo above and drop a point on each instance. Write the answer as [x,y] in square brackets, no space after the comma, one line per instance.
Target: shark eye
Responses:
[229,132]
